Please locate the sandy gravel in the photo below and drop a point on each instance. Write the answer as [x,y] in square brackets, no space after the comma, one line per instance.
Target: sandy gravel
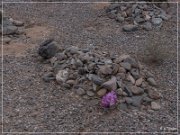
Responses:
[30,105]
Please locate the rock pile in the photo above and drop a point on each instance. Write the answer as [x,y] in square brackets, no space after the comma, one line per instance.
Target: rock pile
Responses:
[11,28]
[92,74]
[137,15]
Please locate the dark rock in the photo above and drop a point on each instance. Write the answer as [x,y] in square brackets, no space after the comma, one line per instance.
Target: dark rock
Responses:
[127,89]
[123,106]
[48,77]
[47,49]
[90,93]
[147,26]
[96,79]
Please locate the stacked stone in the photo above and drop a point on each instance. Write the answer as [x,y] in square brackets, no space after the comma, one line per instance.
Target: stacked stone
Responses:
[92,74]
[137,15]
[11,28]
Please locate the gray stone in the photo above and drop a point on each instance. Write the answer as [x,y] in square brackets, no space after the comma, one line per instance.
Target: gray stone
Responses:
[151,81]
[111,84]
[123,106]
[96,79]
[155,106]
[48,49]
[80,91]
[120,18]
[17,23]
[137,90]
[157,21]
[147,26]
[130,28]
[70,82]
[136,101]
[90,93]
[6,40]
[126,65]
[127,89]
[106,70]
[139,20]
[154,94]
[9,30]
[135,73]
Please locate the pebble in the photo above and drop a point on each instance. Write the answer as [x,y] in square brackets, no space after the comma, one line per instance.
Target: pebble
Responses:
[155,106]
[135,73]
[156,21]
[137,90]
[111,84]
[70,82]
[151,81]
[96,79]
[9,30]
[122,69]
[130,28]
[154,94]
[106,70]
[61,76]
[80,91]
[48,77]
[139,82]
[17,23]
[101,92]
[147,26]
[130,78]
[128,91]
[6,40]
[120,18]
[90,93]
[126,65]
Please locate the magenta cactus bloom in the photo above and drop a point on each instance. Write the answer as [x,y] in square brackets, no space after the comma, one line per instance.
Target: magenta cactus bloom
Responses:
[109,99]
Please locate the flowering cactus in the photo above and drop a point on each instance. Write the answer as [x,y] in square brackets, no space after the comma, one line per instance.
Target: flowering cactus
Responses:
[109,99]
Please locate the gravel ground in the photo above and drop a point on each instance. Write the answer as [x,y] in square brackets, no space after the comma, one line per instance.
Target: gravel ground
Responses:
[30,105]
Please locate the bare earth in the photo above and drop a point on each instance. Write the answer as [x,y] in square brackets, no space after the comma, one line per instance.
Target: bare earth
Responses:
[31,105]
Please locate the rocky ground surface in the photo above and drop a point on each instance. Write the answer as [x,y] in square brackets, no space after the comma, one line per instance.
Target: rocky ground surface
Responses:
[31,104]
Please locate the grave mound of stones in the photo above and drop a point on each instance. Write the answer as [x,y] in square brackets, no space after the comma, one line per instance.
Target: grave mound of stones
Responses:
[92,74]
[136,15]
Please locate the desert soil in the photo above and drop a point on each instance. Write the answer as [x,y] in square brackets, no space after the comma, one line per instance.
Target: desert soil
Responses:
[31,105]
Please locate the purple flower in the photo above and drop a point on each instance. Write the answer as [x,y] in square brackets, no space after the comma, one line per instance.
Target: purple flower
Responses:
[109,99]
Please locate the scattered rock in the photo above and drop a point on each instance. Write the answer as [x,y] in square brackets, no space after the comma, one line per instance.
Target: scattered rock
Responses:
[147,26]
[62,76]
[154,94]
[135,73]
[137,90]
[157,21]
[155,106]
[151,81]
[80,91]
[106,70]
[126,65]
[101,92]
[17,23]
[111,84]
[120,18]
[130,78]
[6,40]
[9,30]
[47,49]
[130,28]
[70,82]
[128,91]
[96,79]
[90,93]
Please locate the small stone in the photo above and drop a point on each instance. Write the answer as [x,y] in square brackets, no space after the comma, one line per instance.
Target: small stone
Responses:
[90,93]
[139,82]
[61,76]
[101,92]
[96,79]
[6,40]
[115,68]
[61,56]
[120,92]
[70,82]
[80,91]
[128,100]
[111,84]
[67,86]
[17,23]
[157,21]
[121,58]
[147,26]
[73,50]
[121,70]
[136,101]
[147,100]
[120,18]
[130,28]
[123,106]
[139,20]
[154,94]
[126,65]
[151,81]
[130,78]
[9,30]
[127,89]
[155,106]
[137,90]
[106,70]
[121,76]
[135,73]
[78,63]
[48,77]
